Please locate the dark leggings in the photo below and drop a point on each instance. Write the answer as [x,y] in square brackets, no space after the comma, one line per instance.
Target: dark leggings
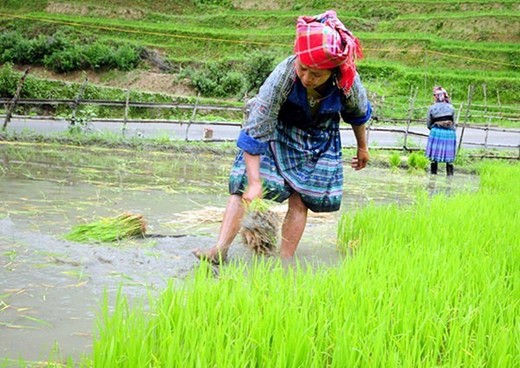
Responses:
[434,165]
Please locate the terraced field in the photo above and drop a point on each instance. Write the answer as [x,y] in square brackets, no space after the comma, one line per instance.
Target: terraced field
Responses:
[408,45]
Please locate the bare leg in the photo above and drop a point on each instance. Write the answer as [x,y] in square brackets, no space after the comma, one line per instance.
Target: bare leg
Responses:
[293,226]
[229,229]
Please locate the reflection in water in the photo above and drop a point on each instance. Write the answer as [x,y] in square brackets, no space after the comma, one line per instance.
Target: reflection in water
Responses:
[447,185]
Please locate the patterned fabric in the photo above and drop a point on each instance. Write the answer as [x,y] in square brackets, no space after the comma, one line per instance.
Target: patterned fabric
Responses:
[308,162]
[440,111]
[262,111]
[441,146]
[323,42]
[442,141]
[299,153]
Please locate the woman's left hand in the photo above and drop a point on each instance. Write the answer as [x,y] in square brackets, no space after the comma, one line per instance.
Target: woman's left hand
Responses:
[360,161]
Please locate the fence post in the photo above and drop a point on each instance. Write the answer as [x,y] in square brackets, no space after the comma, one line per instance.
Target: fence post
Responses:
[489,119]
[468,106]
[123,130]
[374,115]
[368,132]
[77,102]
[413,96]
[194,113]
[12,105]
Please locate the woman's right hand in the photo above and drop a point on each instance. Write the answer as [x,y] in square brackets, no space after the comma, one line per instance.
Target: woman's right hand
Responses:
[253,190]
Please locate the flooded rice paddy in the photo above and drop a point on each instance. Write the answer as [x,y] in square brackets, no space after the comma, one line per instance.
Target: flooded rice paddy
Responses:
[51,289]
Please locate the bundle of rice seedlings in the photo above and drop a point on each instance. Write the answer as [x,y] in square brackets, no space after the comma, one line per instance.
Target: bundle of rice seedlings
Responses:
[109,229]
[260,228]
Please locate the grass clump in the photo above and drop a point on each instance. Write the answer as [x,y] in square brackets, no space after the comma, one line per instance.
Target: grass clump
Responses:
[109,229]
[395,161]
[417,162]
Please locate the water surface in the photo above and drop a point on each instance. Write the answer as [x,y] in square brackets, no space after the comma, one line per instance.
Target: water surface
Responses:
[50,289]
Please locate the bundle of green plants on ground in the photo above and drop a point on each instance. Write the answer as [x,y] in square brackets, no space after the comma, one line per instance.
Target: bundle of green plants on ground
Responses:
[109,229]
[417,162]
[434,284]
[260,227]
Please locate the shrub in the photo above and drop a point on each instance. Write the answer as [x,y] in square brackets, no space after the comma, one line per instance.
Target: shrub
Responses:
[257,69]
[127,57]
[19,49]
[99,55]
[65,61]
[61,54]
[232,83]
[45,45]
[217,80]
[16,48]
[8,80]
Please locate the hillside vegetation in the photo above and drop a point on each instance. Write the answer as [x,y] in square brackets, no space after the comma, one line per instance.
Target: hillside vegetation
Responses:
[224,48]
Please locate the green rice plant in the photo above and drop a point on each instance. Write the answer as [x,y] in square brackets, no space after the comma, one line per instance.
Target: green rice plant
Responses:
[447,250]
[395,161]
[417,162]
[259,204]
[434,284]
[109,229]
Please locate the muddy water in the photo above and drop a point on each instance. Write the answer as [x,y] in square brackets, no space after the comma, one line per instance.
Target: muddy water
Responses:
[50,289]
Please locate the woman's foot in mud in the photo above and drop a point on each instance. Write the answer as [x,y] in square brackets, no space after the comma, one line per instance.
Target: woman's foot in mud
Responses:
[212,255]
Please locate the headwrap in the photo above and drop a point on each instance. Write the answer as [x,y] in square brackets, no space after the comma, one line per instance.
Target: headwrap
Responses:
[440,95]
[323,42]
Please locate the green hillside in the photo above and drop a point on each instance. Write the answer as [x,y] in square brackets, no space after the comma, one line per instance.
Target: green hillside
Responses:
[408,45]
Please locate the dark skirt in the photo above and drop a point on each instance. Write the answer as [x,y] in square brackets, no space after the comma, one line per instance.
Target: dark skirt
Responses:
[304,161]
[441,146]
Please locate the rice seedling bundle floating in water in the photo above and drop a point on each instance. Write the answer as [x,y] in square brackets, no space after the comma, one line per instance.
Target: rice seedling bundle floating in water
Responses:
[260,228]
[109,229]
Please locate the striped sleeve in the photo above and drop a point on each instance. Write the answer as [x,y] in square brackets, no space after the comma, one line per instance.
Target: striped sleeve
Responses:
[263,110]
[356,108]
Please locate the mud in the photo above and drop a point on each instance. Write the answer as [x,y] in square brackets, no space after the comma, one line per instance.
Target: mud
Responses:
[51,289]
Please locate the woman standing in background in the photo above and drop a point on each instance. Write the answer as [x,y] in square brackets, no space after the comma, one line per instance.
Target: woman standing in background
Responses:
[442,140]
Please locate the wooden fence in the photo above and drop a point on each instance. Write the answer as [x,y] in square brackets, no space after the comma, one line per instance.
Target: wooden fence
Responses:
[401,126]
[377,124]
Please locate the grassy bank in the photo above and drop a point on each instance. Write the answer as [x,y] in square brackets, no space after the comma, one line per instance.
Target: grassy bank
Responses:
[408,44]
[428,285]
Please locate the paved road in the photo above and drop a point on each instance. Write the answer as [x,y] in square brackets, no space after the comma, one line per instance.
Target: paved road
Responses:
[388,138]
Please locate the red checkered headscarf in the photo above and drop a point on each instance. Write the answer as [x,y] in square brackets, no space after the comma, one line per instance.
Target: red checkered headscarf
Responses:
[323,42]
[440,95]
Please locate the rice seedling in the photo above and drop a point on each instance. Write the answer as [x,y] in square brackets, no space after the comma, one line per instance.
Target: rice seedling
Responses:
[11,254]
[395,161]
[417,162]
[77,274]
[109,229]
[260,227]
[434,284]
[456,263]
